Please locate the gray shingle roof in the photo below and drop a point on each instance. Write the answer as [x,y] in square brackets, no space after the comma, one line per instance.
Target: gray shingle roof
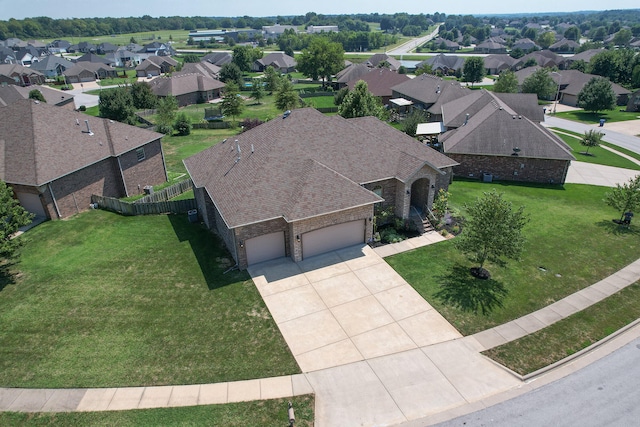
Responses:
[431,90]
[496,131]
[13,93]
[40,143]
[306,165]
[351,72]
[180,84]
[380,81]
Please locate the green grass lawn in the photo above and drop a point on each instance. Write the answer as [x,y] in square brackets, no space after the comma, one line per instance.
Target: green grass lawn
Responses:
[102,300]
[570,335]
[266,413]
[321,101]
[179,37]
[570,235]
[597,155]
[604,143]
[176,148]
[593,118]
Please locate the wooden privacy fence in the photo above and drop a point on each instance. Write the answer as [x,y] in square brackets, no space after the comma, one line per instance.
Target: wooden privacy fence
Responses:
[167,193]
[152,204]
[156,208]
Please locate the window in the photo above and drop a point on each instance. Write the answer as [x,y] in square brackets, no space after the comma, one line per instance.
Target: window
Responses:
[378,190]
[140,154]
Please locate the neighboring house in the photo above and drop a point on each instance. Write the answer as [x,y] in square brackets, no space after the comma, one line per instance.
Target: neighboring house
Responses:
[525,44]
[27,55]
[496,63]
[159,49]
[16,74]
[306,183]
[380,81]
[12,93]
[7,56]
[203,68]
[564,46]
[55,159]
[351,72]
[543,58]
[123,57]
[583,56]
[106,47]
[187,88]
[58,46]
[52,66]
[490,46]
[83,47]
[634,101]
[218,58]
[445,64]
[572,81]
[89,72]
[495,142]
[156,65]
[96,59]
[384,60]
[445,44]
[429,93]
[281,62]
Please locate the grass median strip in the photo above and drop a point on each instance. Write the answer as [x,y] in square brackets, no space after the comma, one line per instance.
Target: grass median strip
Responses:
[570,335]
[258,413]
[596,155]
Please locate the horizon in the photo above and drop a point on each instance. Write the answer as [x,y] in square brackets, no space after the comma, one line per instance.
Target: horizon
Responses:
[286,8]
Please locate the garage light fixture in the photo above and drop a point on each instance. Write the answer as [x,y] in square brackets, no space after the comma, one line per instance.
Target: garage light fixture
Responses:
[298,238]
[242,243]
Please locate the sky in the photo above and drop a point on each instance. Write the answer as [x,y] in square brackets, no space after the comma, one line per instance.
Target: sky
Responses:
[257,8]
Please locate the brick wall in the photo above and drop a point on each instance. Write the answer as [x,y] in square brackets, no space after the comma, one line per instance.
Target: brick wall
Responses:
[73,192]
[389,188]
[511,168]
[150,171]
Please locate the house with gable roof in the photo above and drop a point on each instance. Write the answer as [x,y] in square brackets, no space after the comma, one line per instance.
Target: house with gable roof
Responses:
[499,136]
[56,159]
[297,186]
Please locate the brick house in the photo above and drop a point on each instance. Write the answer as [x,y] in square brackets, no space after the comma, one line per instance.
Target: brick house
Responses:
[280,62]
[155,65]
[16,74]
[55,159]
[304,184]
[499,136]
[379,82]
[187,88]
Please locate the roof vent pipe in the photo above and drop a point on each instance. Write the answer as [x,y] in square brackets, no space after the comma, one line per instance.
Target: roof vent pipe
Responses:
[86,122]
[466,119]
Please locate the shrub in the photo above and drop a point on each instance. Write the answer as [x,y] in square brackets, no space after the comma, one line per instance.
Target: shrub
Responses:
[182,125]
[83,108]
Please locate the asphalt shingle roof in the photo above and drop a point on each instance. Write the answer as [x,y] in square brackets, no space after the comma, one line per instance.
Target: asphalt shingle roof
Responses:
[306,165]
[40,143]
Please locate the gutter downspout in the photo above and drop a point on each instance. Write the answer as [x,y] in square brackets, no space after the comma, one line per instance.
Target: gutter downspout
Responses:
[55,202]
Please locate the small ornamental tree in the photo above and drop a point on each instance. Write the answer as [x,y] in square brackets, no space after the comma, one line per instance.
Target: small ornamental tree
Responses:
[286,97]
[182,124]
[12,217]
[232,103]
[625,197]
[271,79]
[410,124]
[507,82]
[597,95]
[591,138]
[473,70]
[257,90]
[166,114]
[492,232]
[37,95]
[359,102]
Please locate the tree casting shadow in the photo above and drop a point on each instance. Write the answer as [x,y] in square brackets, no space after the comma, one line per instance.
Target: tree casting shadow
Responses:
[460,289]
[617,229]
[7,277]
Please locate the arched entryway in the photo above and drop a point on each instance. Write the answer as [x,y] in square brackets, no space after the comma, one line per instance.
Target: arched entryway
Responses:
[420,194]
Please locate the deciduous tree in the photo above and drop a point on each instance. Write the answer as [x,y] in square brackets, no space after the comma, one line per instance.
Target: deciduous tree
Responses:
[231,73]
[286,97]
[166,114]
[591,138]
[322,58]
[232,103]
[37,95]
[507,82]
[143,97]
[473,70]
[12,217]
[257,90]
[540,83]
[117,104]
[625,197]
[597,95]
[492,231]
[359,102]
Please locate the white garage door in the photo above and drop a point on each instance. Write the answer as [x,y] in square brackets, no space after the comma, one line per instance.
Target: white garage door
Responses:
[331,238]
[31,202]
[264,248]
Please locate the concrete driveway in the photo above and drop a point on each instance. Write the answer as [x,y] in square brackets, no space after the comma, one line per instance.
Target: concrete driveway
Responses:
[346,306]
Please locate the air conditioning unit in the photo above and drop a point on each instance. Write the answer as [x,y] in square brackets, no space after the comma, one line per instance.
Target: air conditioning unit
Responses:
[148,189]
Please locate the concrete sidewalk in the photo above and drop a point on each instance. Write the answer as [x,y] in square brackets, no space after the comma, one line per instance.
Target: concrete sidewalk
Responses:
[593,174]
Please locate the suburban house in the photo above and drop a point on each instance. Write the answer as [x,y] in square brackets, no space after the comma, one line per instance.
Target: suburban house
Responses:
[106,47]
[490,46]
[379,82]
[155,65]
[12,93]
[497,63]
[583,56]
[634,101]
[16,74]
[89,72]
[297,185]
[7,56]
[543,58]
[203,67]
[55,159]
[429,93]
[58,46]
[187,88]
[96,59]
[281,62]
[444,44]
[445,64]
[564,46]
[28,55]
[158,49]
[525,44]
[493,140]
[218,58]
[349,73]
[384,60]
[52,66]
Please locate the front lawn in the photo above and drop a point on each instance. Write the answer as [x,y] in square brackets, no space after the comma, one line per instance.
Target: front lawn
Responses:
[597,155]
[102,300]
[582,116]
[572,243]
[257,413]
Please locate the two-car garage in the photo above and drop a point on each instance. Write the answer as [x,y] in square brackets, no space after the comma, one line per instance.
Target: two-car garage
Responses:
[271,246]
